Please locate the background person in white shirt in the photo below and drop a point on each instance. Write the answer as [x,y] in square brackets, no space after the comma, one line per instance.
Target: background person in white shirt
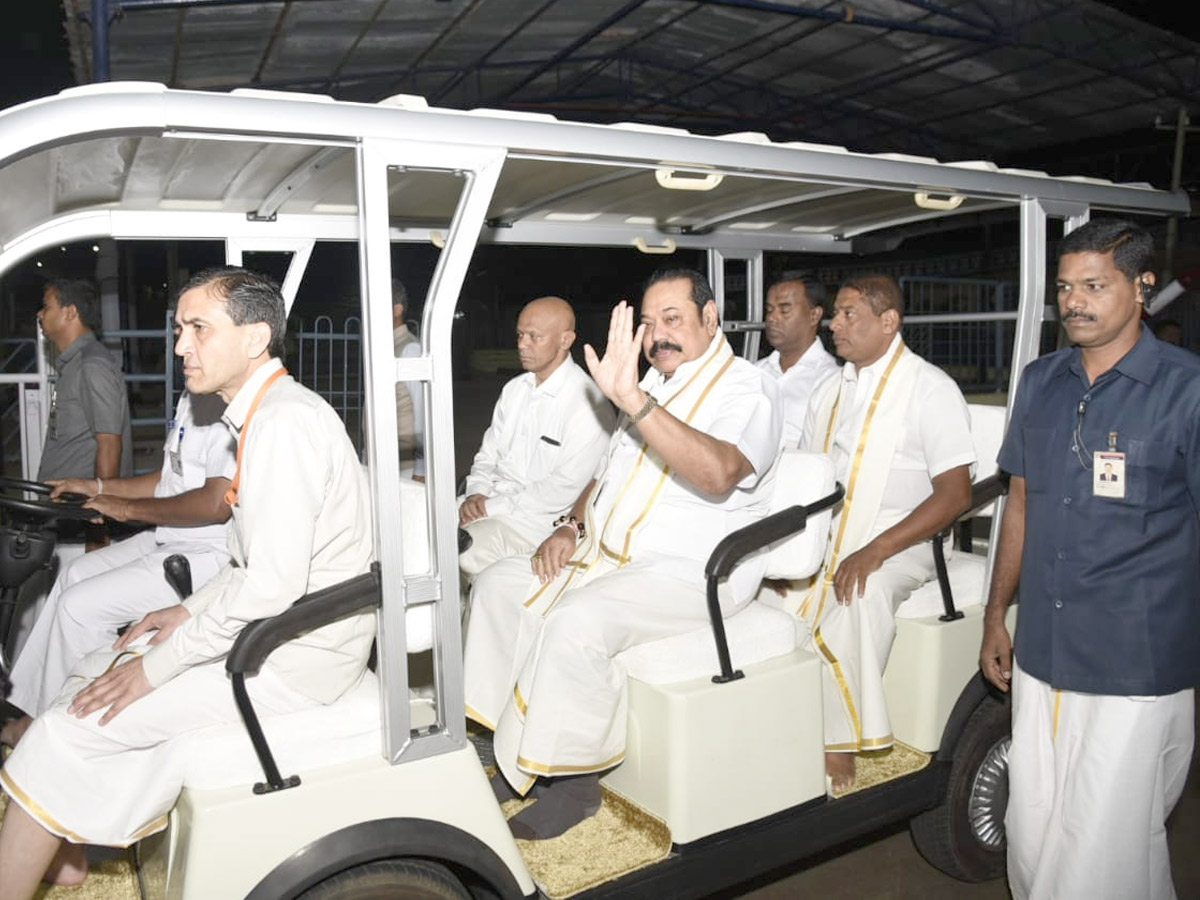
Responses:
[549,429]
[899,433]
[99,766]
[410,401]
[99,592]
[799,362]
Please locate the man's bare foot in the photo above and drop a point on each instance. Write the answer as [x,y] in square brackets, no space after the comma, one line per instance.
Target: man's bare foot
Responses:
[840,769]
[69,866]
[14,730]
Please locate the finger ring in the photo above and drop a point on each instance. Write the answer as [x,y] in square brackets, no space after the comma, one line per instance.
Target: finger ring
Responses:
[537,556]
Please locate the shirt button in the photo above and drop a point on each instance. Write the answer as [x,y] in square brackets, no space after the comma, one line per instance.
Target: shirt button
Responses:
[1058,604]
[1066,501]
[1062,554]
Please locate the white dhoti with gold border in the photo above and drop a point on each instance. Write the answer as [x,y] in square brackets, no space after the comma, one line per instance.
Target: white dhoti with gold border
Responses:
[539,660]
[891,427]
[114,784]
[565,660]
[854,644]
[1092,780]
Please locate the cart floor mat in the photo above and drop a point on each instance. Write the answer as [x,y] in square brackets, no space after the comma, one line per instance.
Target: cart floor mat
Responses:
[621,838]
[875,767]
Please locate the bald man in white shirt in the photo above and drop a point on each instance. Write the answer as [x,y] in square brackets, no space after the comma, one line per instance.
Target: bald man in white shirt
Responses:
[549,429]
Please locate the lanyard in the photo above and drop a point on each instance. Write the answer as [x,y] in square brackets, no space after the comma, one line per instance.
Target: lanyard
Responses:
[231,495]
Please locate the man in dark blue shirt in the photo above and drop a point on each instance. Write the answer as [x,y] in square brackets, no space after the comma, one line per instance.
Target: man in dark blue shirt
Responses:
[1101,533]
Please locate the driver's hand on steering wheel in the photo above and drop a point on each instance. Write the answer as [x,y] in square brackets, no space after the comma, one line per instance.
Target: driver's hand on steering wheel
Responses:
[115,508]
[87,487]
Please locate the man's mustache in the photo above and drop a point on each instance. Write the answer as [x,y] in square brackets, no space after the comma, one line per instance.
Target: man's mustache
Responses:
[1079,314]
[659,346]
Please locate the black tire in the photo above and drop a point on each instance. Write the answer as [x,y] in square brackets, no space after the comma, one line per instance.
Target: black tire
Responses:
[406,879]
[964,836]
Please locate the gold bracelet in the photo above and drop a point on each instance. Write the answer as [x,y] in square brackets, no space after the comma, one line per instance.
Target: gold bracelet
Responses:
[644,411]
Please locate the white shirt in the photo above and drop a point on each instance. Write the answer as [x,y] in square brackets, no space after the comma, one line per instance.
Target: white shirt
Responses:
[797,385]
[198,447]
[685,525]
[543,444]
[936,435]
[302,522]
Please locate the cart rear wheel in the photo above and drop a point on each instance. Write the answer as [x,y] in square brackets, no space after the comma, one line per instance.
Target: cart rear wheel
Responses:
[964,836]
[404,879]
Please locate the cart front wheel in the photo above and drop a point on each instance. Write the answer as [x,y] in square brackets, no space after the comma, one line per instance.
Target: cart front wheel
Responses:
[411,879]
[964,836]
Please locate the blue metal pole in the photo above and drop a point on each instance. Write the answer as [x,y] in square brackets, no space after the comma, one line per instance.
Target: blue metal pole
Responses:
[100,69]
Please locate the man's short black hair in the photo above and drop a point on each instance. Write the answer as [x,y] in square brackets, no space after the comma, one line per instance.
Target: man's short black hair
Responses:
[249,298]
[702,291]
[814,290]
[1130,244]
[80,293]
[881,292]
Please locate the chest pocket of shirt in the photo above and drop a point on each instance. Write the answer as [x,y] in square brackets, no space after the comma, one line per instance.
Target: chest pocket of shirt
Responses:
[545,457]
[1147,466]
[1040,459]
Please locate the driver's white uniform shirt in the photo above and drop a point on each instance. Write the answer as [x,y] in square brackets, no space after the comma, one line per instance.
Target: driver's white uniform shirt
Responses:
[797,385]
[935,436]
[198,447]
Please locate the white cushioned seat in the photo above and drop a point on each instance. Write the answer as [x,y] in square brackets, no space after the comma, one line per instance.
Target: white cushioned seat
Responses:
[756,632]
[222,756]
[418,621]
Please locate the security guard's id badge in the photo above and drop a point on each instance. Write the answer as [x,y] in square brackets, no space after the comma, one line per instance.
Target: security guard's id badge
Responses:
[1108,474]
[176,462]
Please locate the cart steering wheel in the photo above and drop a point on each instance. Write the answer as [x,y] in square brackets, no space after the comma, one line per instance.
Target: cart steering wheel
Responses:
[67,506]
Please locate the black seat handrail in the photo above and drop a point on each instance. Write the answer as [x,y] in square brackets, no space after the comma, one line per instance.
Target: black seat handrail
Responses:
[739,544]
[982,493]
[263,636]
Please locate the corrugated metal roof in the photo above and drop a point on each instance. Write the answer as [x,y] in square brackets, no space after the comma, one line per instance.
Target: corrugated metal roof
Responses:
[953,79]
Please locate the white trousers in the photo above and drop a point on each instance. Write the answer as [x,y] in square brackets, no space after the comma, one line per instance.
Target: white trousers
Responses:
[855,642]
[1092,779]
[543,676]
[494,538]
[115,784]
[94,595]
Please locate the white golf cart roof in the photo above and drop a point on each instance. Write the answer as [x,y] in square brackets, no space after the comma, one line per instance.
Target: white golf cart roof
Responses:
[138,160]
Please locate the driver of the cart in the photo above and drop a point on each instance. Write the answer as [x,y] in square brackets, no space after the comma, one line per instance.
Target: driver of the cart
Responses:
[692,459]
[100,766]
[899,433]
[97,593]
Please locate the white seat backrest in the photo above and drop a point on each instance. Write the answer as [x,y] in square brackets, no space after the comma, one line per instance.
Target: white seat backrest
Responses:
[987,431]
[803,477]
[414,534]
